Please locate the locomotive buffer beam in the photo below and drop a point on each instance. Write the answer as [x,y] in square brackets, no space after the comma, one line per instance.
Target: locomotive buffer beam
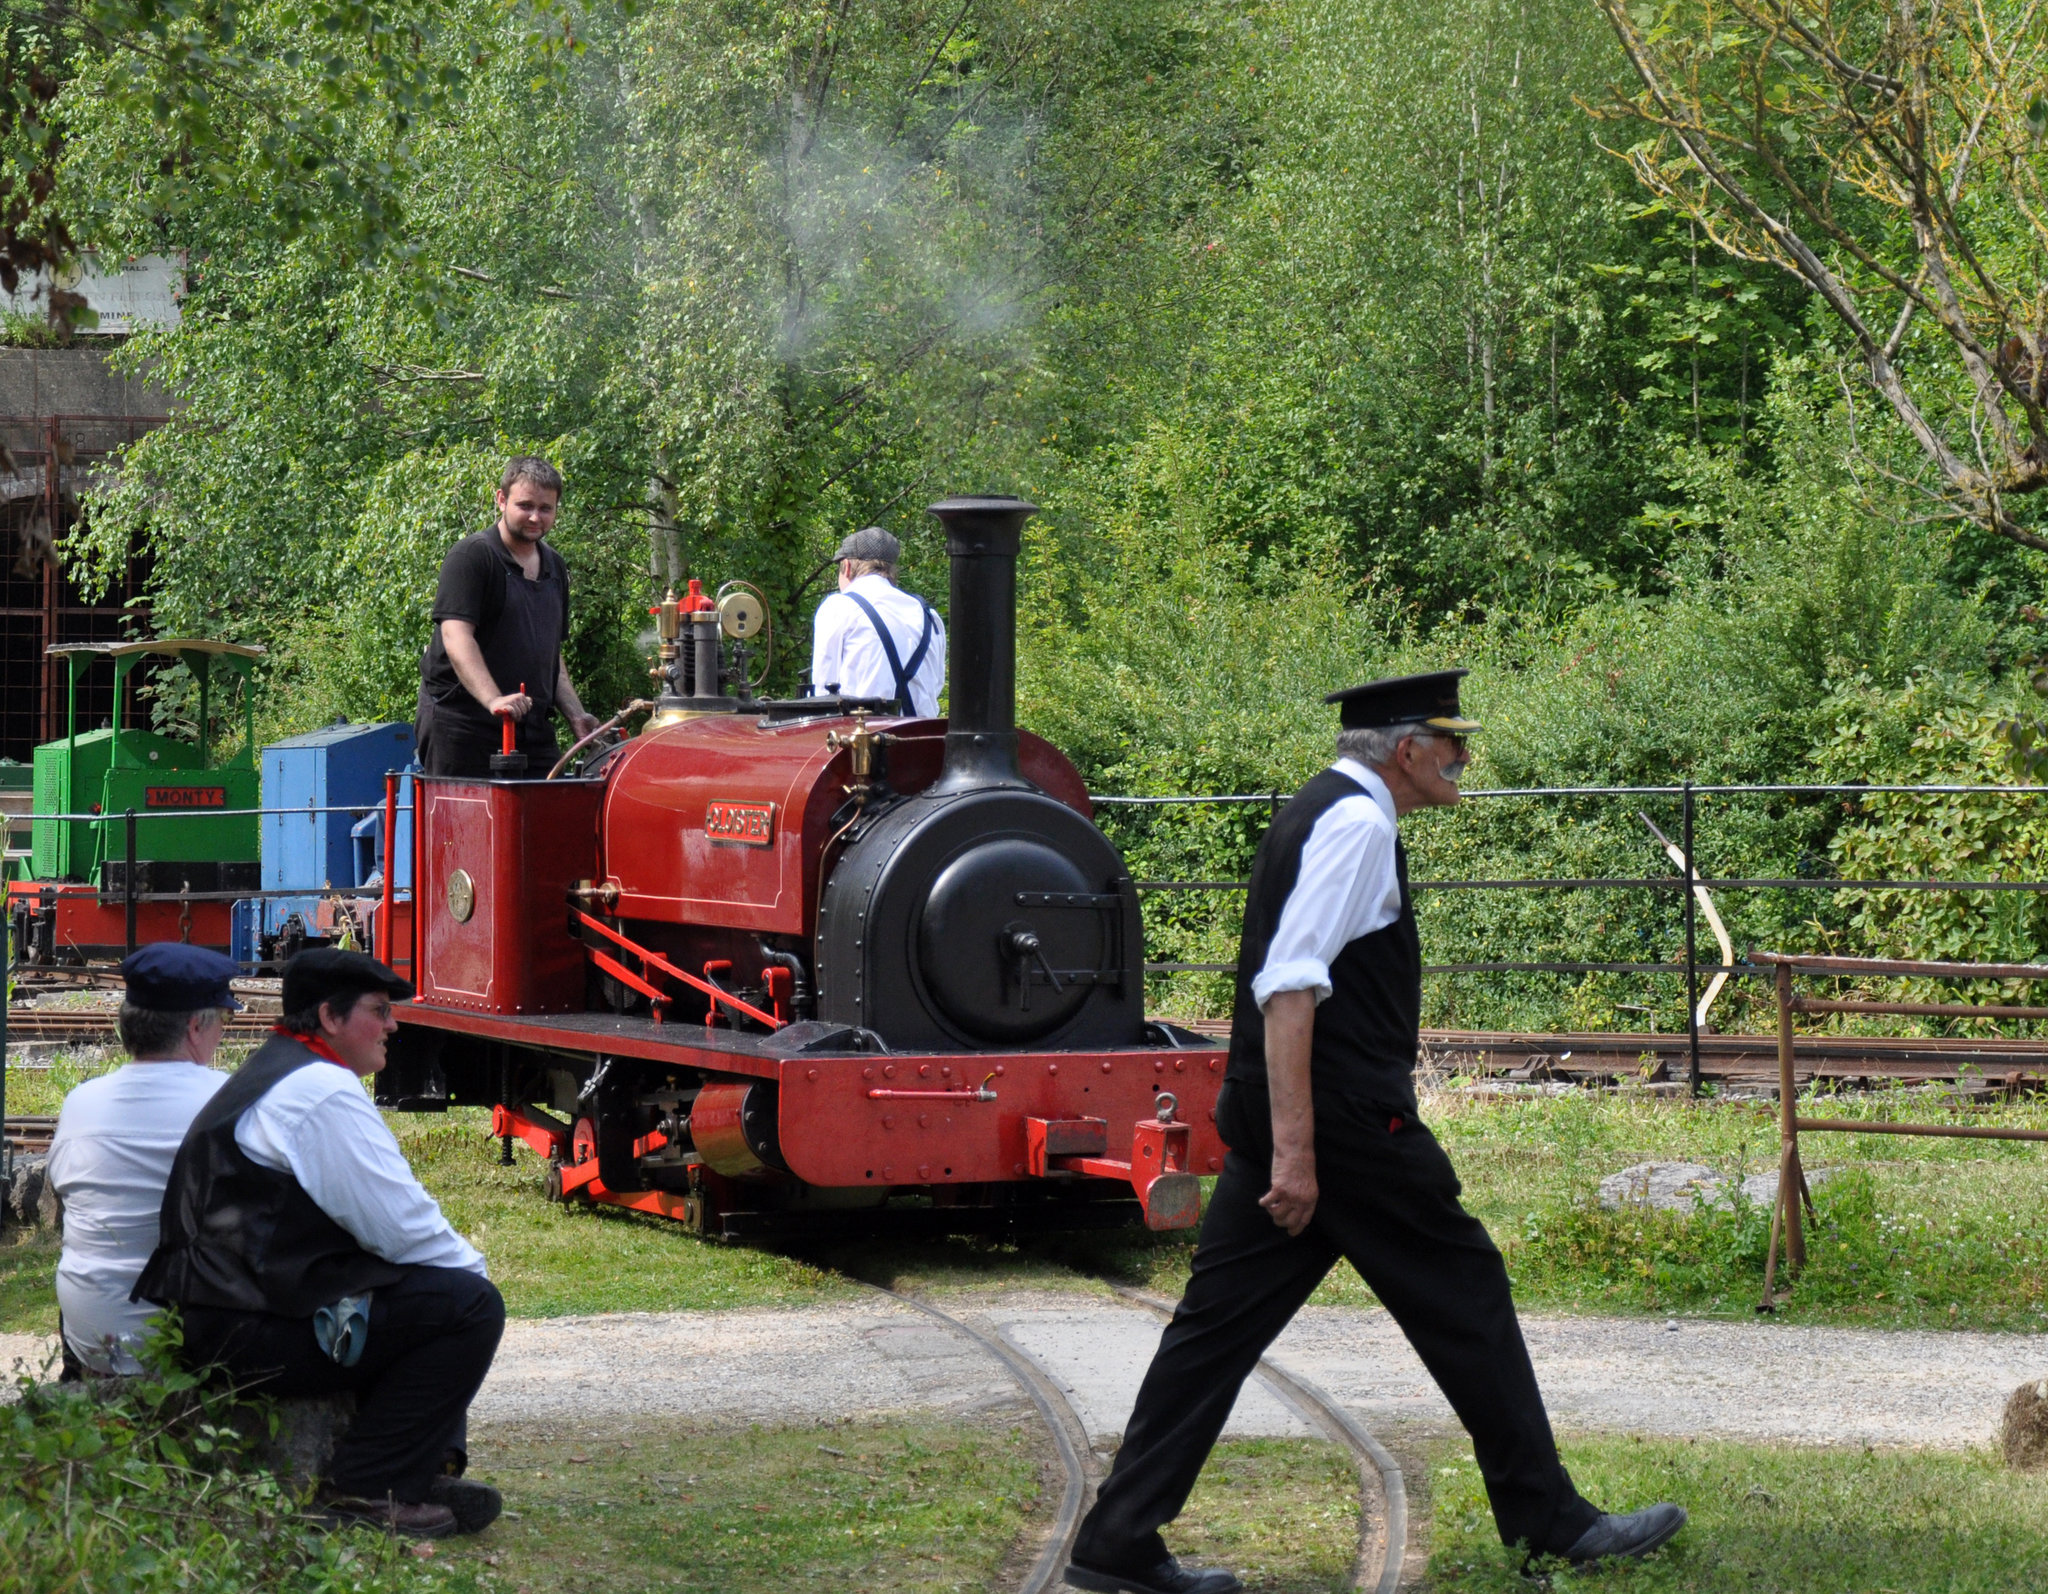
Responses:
[1157,1168]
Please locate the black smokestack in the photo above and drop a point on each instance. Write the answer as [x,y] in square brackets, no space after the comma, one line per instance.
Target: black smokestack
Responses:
[982,536]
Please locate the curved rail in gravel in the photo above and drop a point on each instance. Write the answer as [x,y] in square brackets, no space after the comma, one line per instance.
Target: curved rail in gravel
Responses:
[1381,1553]
[1060,1421]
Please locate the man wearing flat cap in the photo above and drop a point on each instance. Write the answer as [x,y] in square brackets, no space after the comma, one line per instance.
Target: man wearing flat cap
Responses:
[871,638]
[116,1137]
[306,1259]
[1328,1159]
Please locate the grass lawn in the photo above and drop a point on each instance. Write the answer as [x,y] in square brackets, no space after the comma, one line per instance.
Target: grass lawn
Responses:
[867,1506]
[1281,1513]
[1912,1232]
[916,1505]
[1778,1518]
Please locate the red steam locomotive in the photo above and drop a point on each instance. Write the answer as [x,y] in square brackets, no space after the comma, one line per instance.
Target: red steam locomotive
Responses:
[798,966]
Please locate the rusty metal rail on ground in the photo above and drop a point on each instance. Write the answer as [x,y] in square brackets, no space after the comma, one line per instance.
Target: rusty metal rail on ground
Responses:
[30,1134]
[89,1027]
[1994,1063]
[1793,1191]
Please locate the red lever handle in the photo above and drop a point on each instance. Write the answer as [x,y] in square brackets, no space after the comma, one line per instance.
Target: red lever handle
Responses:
[506,733]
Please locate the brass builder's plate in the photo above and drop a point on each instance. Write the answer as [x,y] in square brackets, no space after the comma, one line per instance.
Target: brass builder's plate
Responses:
[461,895]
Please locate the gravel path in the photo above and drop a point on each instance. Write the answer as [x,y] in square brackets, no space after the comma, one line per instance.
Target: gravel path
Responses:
[1731,1380]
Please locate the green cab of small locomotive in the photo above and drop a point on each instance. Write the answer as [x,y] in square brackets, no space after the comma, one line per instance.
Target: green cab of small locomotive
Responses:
[189,806]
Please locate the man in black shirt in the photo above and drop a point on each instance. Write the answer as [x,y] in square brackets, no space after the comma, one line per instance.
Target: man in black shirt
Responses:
[501,613]
[1328,1159]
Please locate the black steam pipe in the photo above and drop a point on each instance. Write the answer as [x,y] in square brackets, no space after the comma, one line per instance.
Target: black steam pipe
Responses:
[983,536]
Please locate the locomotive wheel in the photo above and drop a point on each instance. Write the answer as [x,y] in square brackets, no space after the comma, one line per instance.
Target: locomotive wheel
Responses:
[584,1143]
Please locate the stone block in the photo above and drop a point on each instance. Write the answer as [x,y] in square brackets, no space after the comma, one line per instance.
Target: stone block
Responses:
[1689,1186]
[31,1202]
[2023,1433]
[301,1449]
[307,1432]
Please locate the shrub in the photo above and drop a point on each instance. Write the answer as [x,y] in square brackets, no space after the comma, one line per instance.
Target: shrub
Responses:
[145,1486]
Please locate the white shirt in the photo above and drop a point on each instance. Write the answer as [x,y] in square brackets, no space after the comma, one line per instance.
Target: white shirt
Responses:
[1347,887]
[847,656]
[318,1125]
[110,1160]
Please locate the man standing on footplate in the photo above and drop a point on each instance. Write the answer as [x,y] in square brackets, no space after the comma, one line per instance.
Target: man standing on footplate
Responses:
[1328,1159]
[501,618]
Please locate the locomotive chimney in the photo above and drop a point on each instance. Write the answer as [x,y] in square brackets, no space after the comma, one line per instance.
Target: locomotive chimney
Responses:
[982,536]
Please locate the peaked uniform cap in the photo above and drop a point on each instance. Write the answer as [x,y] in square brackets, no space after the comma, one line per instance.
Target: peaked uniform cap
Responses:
[329,971]
[172,977]
[871,542]
[1427,700]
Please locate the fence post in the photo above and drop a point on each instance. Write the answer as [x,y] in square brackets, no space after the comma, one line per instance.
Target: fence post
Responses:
[1790,1176]
[128,885]
[1692,973]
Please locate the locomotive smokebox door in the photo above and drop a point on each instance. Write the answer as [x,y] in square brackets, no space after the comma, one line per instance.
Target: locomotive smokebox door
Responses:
[1012,940]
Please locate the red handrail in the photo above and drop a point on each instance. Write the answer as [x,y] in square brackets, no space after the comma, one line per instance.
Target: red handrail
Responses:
[655,960]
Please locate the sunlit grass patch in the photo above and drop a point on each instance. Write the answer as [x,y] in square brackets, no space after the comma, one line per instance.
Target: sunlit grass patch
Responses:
[913,1506]
[1910,1232]
[556,1260]
[1281,1513]
[1793,1520]
[28,1282]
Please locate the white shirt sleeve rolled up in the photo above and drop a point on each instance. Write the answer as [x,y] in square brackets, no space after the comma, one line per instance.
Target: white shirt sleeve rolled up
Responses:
[1347,886]
[318,1125]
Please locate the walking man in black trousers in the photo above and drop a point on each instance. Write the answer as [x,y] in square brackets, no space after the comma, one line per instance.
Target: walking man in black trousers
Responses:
[305,1258]
[1328,1159]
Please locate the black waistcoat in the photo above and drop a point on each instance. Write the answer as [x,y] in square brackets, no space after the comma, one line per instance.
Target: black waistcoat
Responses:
[1366,1029]
[236,1234]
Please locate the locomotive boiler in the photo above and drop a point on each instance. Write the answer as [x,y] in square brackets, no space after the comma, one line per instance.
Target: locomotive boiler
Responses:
[802,964]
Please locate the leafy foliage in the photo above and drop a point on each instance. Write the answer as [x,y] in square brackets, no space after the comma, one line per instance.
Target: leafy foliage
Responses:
[1892,162]
[1326,334]
[148,1486]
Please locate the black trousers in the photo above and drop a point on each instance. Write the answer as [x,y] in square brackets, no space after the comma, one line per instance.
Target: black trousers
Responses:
[455,747]
[432,1336]
[1388,1204]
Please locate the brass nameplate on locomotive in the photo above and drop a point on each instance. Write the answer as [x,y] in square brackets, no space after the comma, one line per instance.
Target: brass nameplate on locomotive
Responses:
[461,896]
[749,824]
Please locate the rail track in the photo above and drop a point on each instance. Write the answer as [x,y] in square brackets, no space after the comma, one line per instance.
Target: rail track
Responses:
[30,1135]
[2014,1063]
[1383,1501]
[95,1026]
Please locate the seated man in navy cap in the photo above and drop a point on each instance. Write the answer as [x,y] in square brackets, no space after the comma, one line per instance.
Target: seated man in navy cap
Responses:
[306,1259]
[1329,1159]
[115,1140]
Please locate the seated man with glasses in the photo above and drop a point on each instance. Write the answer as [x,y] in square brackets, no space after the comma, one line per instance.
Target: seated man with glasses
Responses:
[306,1259]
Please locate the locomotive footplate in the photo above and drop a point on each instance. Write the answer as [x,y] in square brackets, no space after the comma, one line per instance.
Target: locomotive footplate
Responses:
[1042,1137]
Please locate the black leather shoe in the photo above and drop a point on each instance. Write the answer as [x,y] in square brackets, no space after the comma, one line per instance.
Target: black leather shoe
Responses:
[476,1505]
[1168,1577]
[1629,1538]
[423,1520]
